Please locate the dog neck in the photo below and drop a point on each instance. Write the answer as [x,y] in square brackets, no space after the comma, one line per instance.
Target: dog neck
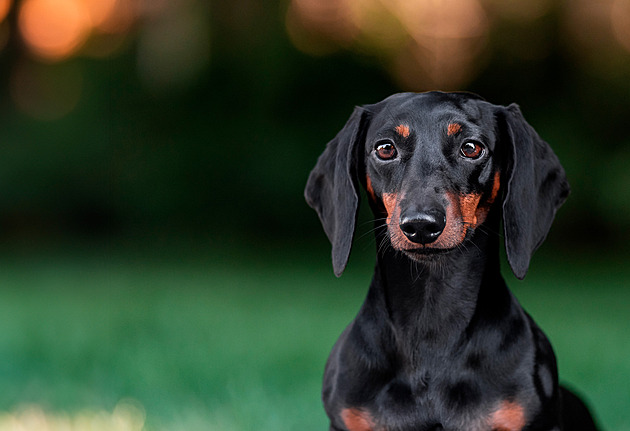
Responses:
[434,301]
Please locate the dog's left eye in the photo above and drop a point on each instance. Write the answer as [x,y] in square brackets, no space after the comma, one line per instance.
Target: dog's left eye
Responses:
[471,150]
[385,150]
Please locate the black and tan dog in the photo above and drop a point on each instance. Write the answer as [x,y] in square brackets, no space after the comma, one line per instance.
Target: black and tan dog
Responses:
[440,343]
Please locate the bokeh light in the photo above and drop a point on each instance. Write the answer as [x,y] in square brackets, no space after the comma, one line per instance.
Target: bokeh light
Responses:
[446,38]
[100,11]
[5,6]
[620,15]
[444,44]
[517,10]
[116,17]
[174,47]
[54,29]
[425,42]
[46,91]
[321,26]
[5,28]
[128,415]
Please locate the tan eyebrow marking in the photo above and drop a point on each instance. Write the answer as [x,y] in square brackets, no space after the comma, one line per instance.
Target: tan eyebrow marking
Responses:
[403,130]
[453,128]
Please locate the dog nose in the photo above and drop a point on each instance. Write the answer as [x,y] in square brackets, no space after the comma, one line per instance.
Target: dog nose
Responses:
[423,227]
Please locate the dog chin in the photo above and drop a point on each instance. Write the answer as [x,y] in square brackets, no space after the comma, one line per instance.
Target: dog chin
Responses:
[427,254]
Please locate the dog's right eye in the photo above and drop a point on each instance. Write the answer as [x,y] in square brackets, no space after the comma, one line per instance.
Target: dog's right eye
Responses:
[385,150]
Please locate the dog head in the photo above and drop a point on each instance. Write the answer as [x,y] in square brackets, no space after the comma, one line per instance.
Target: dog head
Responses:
[434,165]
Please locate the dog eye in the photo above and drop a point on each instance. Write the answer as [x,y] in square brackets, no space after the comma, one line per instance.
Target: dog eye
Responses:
[385,150]
[471,150]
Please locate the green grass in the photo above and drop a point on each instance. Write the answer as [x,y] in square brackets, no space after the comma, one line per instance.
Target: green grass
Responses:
[203,341]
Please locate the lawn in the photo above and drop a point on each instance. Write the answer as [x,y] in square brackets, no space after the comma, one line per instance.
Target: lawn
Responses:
[180,339]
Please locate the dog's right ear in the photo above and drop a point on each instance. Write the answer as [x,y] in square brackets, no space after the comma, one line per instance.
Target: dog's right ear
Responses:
[332,187]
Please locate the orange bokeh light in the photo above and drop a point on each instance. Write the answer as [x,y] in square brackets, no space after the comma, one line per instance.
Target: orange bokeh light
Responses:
[112,16]
[5,5]
[427,43]
[620,16]
[317,26]
[54,29]
[99,10]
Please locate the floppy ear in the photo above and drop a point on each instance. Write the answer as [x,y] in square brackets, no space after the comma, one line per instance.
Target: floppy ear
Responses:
[537,186]
[332,190]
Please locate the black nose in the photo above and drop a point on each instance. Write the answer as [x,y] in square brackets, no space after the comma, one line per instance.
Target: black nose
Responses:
[423,227]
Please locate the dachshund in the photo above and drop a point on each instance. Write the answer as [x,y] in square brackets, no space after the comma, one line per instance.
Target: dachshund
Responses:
[440,343]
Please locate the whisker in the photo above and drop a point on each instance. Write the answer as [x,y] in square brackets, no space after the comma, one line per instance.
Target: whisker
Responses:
[363,223]
[372,230]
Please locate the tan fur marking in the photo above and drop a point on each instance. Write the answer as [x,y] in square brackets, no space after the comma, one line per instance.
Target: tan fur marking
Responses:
[455,231]
[495,187]
[357,420]
[368,186]
[453,234]
[509,417]
[484,208]
[397,238]
[403,130]
[464,212]
[453,128]
[469,204]
[389,200]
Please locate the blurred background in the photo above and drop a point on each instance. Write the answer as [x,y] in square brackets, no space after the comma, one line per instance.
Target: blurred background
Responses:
[159,268]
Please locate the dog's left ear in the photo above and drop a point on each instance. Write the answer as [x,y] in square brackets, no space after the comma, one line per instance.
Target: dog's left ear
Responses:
[332,187]
[537,187]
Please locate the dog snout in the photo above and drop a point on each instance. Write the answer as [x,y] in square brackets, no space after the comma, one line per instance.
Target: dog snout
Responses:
[423,226]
